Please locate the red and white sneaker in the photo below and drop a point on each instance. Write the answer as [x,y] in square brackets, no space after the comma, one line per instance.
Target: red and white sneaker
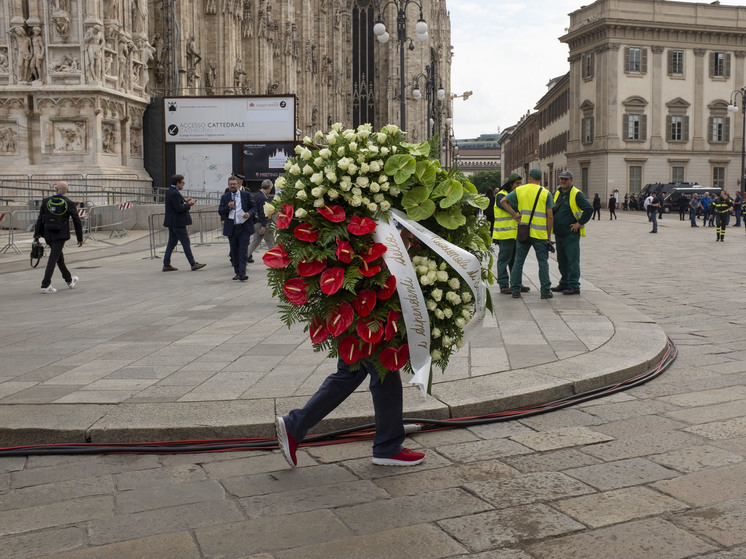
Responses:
[287,443]
[405,458]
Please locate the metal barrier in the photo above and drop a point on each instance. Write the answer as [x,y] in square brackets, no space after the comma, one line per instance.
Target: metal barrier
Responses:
[114,218]
[19,219]
[206,229]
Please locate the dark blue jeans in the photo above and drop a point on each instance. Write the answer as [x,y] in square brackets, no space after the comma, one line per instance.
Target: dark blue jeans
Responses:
[56,258]
[693,217]
[542,257]
[387,404]
[654,219]
[239,243]
[178,235]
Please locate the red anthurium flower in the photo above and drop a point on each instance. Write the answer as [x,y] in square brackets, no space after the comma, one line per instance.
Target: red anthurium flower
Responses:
[295,291]
[344,251]
[335,214]
[361,225]
[276,257]
[365,302]
[348,349]
[331,280]
[373,252]
[389,286]
[311,268]
[340,319]
[306,232]
[392,328]
[369,271]
[284,217]
[318,331]
[367,349]
[394,358]
[369,330]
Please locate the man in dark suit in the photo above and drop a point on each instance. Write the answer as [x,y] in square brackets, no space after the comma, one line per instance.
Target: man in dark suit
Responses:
[237,211]
[177,218]
[264,231]
[53,224]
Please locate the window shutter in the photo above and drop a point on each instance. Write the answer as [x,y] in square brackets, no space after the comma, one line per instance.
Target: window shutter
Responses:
[727,65]
[669,128]
[670,62]
[643,61]
[626,59]
[713,62]
[685,129]
[711,133]
[592,131]
[726,129]
[592,64]
[643,127]
[625,127]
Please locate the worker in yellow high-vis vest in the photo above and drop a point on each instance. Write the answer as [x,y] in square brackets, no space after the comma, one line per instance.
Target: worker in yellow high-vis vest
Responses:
[504,233]
[572,211]
[531,198]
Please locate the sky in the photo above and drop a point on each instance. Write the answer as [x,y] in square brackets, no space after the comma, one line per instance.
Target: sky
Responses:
[506,52]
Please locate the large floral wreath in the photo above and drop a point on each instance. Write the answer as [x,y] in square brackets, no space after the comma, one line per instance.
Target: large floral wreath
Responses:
[339,264]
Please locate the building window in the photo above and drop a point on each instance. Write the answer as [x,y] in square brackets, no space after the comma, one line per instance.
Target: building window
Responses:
[584,180]
[588,65]
[635,179]
[635,127]
[675,62]
[677,173]
[719,65]
[718,177]
[719,129]
[635,60]
[587,128]
[677,128]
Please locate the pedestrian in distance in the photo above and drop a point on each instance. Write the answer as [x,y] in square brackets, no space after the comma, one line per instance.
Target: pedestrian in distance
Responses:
[694,206]
[653,207]
[571,213]
[534,206]
[704,204]
[596,207]
[612,207]
[505,233]
[53,224]
[625,204]
[721,208]
[177,219]
[265,230]
[683,206]
[646,205]
[238,211]
[738,207]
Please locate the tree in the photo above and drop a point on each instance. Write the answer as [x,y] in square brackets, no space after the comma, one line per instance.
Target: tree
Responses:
[486,179]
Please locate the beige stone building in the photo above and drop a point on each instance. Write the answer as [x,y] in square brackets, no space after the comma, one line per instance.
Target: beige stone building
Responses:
[650,82]
[76,76]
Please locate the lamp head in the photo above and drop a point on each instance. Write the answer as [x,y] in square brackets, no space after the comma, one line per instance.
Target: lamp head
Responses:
[421,27]
[379,28]
[441,94]
[416,94]
[383,37]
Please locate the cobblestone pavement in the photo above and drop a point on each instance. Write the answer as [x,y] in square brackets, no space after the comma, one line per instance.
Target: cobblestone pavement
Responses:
[657,471]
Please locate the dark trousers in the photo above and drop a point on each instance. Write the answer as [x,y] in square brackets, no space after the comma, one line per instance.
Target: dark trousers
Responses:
[653,216]
[505,260]
[178,235]
[568,260]
[721,220]
[596,212]
[56,258]
[387,404]
[542,257]
[239,243]
[612,213]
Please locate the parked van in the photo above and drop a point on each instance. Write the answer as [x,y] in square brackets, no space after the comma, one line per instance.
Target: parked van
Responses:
[671,200]
[662,189]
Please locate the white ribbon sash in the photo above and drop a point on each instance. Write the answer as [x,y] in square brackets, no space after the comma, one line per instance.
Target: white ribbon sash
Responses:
[414,311]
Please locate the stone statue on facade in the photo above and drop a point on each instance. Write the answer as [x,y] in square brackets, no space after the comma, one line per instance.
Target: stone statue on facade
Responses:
[94,41]
[62,5]
[71,136]
[61,21]
[238,76]
[24,54]
[3,63]
[193,57]
[37,52]
[158,46]
[8,140]
[273,87]
[140,16]
[108,61]
[248,19]
[147,55]
[124,48]
[111,9]
[67,64]
[211,77]
[108,142]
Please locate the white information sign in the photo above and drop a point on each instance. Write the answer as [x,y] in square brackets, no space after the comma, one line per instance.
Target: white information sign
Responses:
[229,119]
[205,167]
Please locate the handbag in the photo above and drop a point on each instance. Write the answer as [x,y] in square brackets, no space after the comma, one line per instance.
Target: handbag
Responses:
[524,229]
[37,252]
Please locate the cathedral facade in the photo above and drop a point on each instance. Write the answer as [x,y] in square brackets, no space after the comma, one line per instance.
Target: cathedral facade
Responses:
[76,76]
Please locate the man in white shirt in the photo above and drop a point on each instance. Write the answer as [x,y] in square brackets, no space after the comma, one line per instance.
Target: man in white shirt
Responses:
[647,203]
[237,210]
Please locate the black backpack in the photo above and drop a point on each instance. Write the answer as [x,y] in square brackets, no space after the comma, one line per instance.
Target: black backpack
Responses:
[57,213]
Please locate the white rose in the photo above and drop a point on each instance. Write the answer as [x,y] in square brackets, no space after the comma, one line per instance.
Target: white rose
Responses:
[423,270]
[431,277]
[364,168]
[318,162]
[300,185]
[353,147]
[431,305]
[385,206]
[378,198]
[390,129]
[393,149]
[331,139]
[307,140]
[447,341]
[466,314]
[366,200]
[448,313]
[373,148]
[317,178]
[384,151]
[381,137]
[439,314]
[345,186]
[269,209]
[300,213]
[288,163]
[337,126]
[372,207]
[352,169]
[437,294]
[363,134]
[340,151]
[356,201]
[453,283]
[436,332]
[331,176]
[394,191]
[466,297]
[332,194]
[362,182]
[295,169]
[423,280]
[308,170]
[442,266]
[375,166]
[317,192]
[349,135]
[305,154]
[326,153]
[375,187]
[460,322]
[344,163]
[435,354]
[301,195]
[280,183]
[356,191]
[319,203]
[432,264]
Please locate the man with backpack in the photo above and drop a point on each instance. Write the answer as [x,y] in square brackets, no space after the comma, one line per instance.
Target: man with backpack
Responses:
[53,224]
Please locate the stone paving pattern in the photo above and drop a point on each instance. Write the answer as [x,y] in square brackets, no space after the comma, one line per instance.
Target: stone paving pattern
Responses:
[653,472]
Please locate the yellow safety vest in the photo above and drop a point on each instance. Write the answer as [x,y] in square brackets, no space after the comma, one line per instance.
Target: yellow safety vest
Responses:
[526,194]
[576,211]
[505,226]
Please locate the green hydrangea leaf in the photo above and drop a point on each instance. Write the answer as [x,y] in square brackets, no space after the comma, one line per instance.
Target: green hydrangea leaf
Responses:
[401,167]
[450,190]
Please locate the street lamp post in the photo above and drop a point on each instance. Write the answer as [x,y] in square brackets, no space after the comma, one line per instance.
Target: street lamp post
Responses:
[432,94]
[734,108]
[401,37]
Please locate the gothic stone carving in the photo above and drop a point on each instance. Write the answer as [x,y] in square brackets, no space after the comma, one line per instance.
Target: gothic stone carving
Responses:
[8,144]
[108,138]
[69,136]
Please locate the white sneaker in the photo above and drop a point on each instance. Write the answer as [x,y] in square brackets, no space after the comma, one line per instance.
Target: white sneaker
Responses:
[48,289]
[73,282]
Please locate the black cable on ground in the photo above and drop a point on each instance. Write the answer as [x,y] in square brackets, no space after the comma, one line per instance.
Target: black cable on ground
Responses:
[359,433]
